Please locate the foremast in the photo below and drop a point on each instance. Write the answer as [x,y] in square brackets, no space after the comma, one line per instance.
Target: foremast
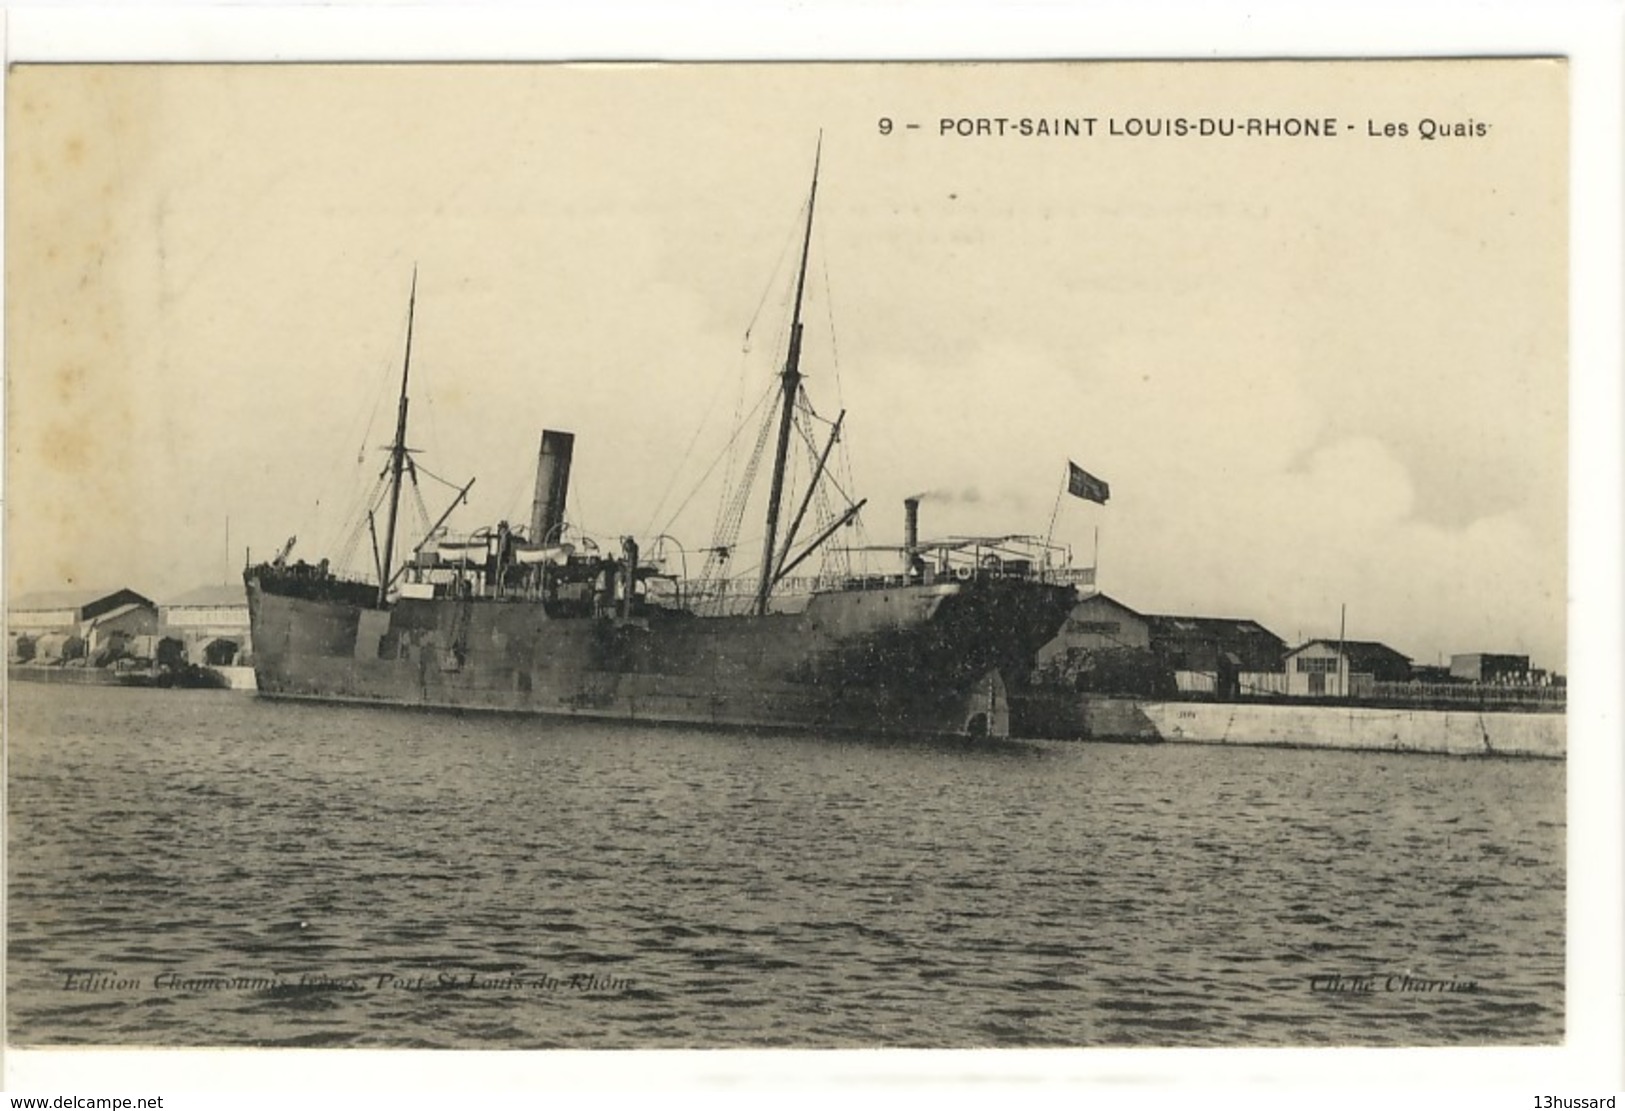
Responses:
[790,386]
[397,454]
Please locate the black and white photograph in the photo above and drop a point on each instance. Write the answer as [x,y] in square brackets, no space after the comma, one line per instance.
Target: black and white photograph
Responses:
[789,555]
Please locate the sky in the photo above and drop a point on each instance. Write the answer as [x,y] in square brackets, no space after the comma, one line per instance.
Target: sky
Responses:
[1320,374]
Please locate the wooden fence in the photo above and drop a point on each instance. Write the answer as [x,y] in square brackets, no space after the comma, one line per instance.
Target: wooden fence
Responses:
[1471,694]
[1271,686]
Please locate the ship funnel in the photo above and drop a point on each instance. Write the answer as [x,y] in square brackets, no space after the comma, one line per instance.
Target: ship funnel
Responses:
[552,484]
[911,525]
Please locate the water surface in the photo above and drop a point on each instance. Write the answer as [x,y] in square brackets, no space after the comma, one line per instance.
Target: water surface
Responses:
[192,868]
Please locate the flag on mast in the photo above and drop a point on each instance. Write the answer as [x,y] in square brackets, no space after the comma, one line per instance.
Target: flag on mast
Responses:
[1081,484]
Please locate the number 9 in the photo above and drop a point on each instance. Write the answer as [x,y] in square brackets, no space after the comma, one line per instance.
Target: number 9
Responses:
[885,125]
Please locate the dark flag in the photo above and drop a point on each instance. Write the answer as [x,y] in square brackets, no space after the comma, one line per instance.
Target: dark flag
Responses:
[1081,484]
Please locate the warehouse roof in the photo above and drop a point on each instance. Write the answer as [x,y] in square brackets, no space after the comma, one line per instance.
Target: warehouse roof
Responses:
[216,594]
[1099,596]
[119,611]
[1359,652]
[74,598]
[1174,624]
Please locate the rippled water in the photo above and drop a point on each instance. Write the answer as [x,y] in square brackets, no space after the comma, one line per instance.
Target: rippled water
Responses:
[610,886]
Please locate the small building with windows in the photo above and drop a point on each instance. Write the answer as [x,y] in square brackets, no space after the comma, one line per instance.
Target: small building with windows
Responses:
[1489,667]
[1336,669]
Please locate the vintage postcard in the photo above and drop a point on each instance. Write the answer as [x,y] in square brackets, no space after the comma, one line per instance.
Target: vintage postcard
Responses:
[845,555]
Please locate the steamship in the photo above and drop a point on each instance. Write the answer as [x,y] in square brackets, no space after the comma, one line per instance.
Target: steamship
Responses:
[537,620]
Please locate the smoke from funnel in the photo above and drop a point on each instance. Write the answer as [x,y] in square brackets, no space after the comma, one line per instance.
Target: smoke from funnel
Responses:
[970,495]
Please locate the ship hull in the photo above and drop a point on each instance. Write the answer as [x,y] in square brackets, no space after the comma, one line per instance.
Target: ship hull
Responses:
[913,660]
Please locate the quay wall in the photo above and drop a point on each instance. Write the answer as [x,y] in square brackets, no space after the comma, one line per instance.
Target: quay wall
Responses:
[1307,725]
[81,676]
[237,678]
[230,678]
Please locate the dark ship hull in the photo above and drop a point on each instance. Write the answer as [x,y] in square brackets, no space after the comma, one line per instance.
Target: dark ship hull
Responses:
[519,621]
[919,659]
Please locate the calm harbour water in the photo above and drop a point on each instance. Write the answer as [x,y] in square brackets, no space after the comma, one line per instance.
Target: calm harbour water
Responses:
[207,868]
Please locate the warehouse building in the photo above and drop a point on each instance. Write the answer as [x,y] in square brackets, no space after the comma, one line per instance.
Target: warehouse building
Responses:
[212,623]
[67,624]
[1213,643]
[1104,648]
[1221,656]
[1098,623]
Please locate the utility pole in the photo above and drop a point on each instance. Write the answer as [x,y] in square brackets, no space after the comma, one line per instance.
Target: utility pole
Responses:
[1342,658]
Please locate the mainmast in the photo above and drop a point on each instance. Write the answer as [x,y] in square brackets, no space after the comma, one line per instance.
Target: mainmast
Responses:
[397,456]
[790,384]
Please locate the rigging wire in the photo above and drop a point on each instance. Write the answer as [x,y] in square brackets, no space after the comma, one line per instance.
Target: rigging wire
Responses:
[829,317]
[773,276]
[386,364]
[419,468]
[780,343]
[360,427]
[433,443]
[802,484]
[423,510]
[845,461]
[516,502]
[830,558]
[736,493]
[355,518]
[730,518]
[805,415]
[575,519]
[732,515]
[739,430]
[677,470]
[352,539]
